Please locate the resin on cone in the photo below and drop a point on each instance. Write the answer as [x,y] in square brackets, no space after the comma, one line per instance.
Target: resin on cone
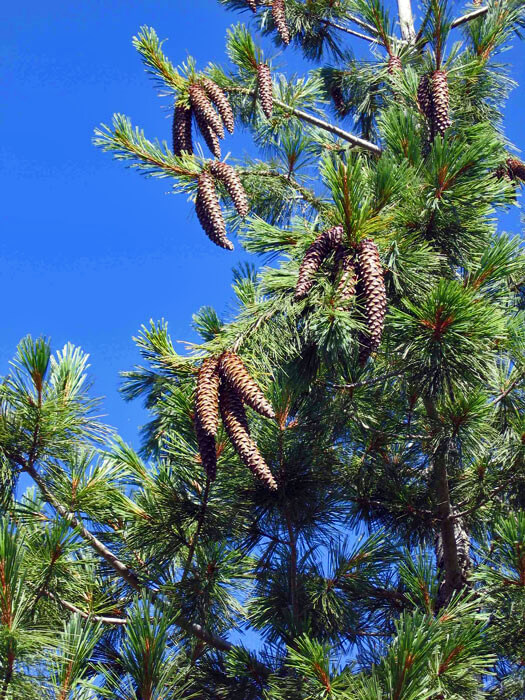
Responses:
[203,109]
[440,103]
[181,131]
[207,395]
[207,449]
[265,88]
[372,280]
[236,425]
[279,19]
[233,370]
[314,256]
[221,102]
[226,174]
[209,211]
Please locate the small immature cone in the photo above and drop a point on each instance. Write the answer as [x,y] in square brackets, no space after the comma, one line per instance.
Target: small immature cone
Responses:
[374,291]
[207,449]
[203,109]
[220,100]
[313,258]
[207,395]
[279,19]
[338,99]
[233,370]
[394,64]
[209,211]
[181,131]
[440,103]
[236,425]
[265,88]
[225,173]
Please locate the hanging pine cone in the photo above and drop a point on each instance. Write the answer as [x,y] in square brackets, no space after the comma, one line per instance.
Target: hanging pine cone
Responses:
[207,395]
[181,131]
[209,135]
[279,19]
[424,98]
[440,103]
[373,284]
[252,4]
[346,287]
[313,258]
[220,100]
[204,112]
[207,449]
[209,211]
[337,96]
[394,64]
[236,425]
[227,174]
[233,370]
[265,88]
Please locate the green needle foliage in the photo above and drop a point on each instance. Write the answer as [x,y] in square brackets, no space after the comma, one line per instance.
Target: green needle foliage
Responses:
[389,562]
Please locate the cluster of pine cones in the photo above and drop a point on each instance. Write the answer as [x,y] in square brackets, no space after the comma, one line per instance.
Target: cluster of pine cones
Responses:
[358,270]
[278,16]
[207,205]
[433,101]
[513,169]
[224,385]
[212,111]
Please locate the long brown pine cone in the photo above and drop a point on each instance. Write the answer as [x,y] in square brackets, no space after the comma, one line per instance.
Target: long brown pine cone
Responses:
[516,169]
[265,88]
[394,64]
[424,98]
[209,135]
[207,395]
[181,131]
[279,19]
[346,287]
[233,370]
[207,449]
[374,291]
[209,212]
[227,174]
[236,425]
[221,102]
[313,258]
[203,109]
[440,103]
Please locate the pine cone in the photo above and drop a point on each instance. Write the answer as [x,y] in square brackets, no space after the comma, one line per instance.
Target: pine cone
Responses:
[233,370]
[204,112]
[371,278]
[424,97]
[394,64]
[440,103]
[207,395]
[252,4]
[209,211]
[265,88]
[227,174]
[337,96]
[516,169]
[181,131]
[279,19]
[346,287]
[209,135]
[220,100]
[236,424]
[207,449]
[313,258]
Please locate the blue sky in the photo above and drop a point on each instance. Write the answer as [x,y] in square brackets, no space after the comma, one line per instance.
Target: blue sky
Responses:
[89,251]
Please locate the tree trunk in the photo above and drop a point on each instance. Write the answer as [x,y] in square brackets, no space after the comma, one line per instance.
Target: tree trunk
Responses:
[406,20]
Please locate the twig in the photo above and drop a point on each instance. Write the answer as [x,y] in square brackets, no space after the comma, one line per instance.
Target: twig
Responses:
[347,30]
[87,616]
[469,17]
[369,382]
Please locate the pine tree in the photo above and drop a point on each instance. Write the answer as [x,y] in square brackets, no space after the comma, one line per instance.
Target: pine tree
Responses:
[346,529]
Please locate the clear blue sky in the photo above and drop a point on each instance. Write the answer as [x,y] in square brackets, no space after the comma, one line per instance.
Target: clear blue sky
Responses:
[89,251]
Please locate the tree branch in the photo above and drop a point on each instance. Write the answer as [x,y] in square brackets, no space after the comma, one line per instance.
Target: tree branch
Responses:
[469,17]
[406,20]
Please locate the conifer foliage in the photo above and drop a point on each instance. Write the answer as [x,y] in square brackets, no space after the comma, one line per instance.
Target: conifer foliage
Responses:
[329,500]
